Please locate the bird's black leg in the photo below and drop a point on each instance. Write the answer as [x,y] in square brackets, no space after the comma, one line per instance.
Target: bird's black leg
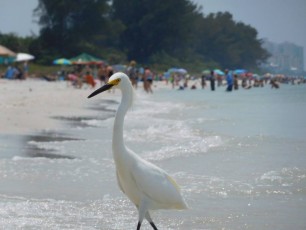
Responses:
[149,219]
[153,225]
[138,225]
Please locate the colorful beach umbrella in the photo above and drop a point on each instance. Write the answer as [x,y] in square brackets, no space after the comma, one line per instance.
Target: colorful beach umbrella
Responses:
[62,61]
[86,59]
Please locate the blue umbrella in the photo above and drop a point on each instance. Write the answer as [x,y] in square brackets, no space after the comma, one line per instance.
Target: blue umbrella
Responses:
[219,72]
[172,70]
[240,71]
[182,71]
[177,70]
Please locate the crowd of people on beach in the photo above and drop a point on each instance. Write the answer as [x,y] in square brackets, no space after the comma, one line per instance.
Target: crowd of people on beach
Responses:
[91,75]
[233,81]
[79,76]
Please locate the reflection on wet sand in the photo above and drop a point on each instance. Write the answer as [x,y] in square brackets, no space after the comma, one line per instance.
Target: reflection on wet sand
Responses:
[21,145]
[34,150]
[33,145]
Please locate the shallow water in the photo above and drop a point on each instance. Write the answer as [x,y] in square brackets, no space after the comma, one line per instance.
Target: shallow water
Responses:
[239,158]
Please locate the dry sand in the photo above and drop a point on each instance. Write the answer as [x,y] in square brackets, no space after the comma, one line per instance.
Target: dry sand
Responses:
[28,106]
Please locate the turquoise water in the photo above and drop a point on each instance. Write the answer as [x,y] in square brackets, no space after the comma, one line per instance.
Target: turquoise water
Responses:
[239,158]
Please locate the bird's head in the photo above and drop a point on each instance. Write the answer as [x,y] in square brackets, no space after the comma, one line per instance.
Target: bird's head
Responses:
[117,80]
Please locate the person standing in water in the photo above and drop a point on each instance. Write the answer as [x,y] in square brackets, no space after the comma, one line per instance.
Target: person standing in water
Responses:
[148,80]
[212,80]
[229,80]
[133,73]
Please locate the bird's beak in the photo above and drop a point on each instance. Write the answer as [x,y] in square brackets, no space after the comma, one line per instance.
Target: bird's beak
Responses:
[102,89]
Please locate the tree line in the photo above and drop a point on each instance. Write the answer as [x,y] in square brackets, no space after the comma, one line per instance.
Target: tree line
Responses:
[164,33]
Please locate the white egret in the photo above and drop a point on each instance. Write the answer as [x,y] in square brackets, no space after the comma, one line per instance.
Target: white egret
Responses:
[146,185]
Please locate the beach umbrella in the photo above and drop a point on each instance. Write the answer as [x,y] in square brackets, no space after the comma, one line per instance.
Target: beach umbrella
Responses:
[177,70]
[206,72]
[240,71]
[219,72]
[86,59]
[182,71]
[24,57]
[172,70]
[268,75]
[5,52]
[62,61]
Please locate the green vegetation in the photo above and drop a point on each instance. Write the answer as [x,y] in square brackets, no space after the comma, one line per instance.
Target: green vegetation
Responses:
[158,33]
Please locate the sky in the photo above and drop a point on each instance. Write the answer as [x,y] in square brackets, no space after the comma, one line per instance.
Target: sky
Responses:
[277,20]
[17,16]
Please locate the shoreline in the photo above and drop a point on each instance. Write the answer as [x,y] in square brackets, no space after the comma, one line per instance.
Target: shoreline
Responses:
[35,105]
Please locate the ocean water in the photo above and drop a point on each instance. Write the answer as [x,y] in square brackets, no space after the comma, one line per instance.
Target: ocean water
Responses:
[240,159]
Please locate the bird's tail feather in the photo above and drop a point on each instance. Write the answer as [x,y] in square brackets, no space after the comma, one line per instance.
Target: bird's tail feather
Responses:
[182,204]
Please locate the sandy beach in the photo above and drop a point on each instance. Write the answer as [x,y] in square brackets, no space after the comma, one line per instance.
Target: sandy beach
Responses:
[29,106]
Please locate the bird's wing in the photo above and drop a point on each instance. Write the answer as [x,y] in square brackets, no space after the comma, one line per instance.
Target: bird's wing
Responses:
[119,182]
[157,185]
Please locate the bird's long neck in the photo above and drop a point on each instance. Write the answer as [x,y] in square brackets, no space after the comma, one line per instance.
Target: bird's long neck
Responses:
[118,142]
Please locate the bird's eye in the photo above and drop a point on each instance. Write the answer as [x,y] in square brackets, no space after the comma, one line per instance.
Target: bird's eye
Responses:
[117,81]
[114,82]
